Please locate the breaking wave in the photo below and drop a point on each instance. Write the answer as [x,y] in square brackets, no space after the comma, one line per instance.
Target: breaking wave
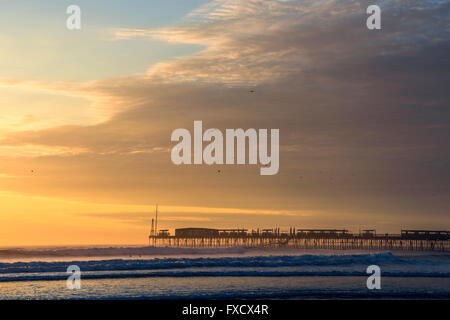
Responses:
[176,263]
[112,251]
[244,266]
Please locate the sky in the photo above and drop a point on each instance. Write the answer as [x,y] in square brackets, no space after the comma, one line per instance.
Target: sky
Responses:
[87,115]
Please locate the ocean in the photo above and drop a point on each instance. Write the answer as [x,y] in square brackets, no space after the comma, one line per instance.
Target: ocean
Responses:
[132,272]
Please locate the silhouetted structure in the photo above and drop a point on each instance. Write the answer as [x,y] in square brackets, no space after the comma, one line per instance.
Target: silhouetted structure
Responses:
[426,240]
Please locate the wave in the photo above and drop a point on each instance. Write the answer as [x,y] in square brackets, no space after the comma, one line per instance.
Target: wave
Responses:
[181,263]
[200,273]
[112,251]
[241,266]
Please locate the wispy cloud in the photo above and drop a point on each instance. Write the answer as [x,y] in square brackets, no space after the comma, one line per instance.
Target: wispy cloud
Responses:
[363,115]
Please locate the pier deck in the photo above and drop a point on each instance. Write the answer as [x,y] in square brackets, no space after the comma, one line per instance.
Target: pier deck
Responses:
[417,240]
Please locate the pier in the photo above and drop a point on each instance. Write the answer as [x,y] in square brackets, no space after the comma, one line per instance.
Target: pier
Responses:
[336,239]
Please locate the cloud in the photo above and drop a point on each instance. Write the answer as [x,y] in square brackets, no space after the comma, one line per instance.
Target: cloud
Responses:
[106,98]
[363,115]
[250,42]
[31,150]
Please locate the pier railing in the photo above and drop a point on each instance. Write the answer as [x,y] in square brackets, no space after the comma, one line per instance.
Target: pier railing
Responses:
[417,240]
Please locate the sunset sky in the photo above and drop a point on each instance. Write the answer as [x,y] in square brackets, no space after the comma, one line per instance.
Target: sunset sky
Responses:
[87,115]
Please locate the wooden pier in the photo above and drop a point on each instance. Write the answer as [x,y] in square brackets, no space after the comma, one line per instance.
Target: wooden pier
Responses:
[416,240]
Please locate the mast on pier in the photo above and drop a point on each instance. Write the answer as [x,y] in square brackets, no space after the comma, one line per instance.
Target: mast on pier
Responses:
[156,221]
